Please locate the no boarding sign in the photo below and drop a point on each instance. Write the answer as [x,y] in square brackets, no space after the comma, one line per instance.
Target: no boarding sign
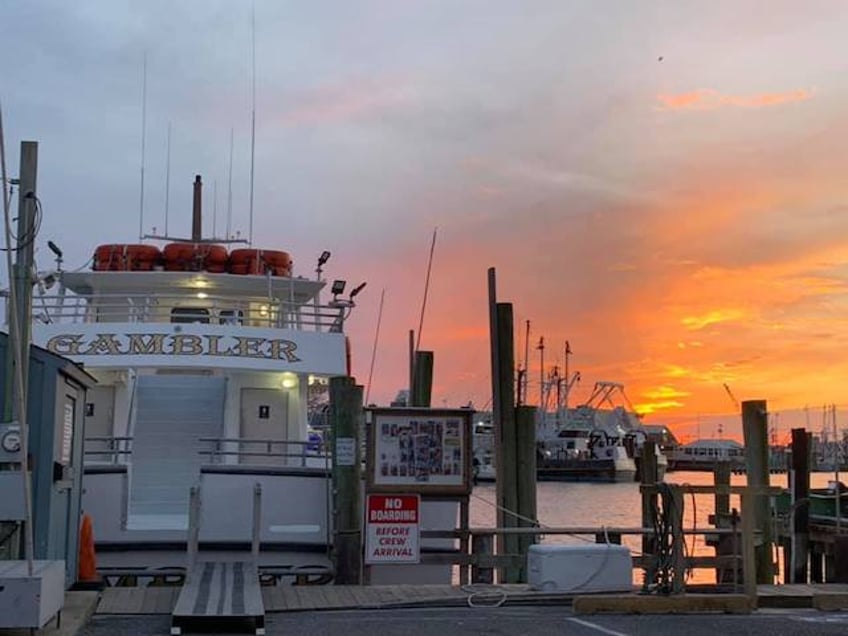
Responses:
[392,529]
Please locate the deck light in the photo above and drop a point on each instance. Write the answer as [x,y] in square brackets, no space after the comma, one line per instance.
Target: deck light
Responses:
[338,287]
[325,256]
[54,249]
[202,295]
[289,380]
[357,289]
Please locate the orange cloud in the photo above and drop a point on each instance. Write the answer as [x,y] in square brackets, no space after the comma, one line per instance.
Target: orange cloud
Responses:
[710,318]
[708,99]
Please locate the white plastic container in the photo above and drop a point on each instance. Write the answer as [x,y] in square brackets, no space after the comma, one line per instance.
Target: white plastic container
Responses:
[603,567]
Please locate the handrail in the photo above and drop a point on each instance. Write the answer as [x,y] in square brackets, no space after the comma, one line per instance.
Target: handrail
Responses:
[188,308]
[218,451]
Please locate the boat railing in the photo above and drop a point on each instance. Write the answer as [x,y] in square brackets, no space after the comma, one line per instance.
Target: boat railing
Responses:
[107,450]
[270,451]
[189,308]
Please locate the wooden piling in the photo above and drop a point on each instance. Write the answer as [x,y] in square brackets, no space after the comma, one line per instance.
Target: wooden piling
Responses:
[755,430]
[649,476]
[724,546]
[800,487]
[345,416]
[525,448]
[840,559]
[482,545]
[422,379]
[678,547]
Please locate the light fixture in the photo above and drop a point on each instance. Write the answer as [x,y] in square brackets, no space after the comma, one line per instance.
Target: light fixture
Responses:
[289,380]
[54,249]
[357,289]
[263,310]
[325,256]
[338,288]
[202,295]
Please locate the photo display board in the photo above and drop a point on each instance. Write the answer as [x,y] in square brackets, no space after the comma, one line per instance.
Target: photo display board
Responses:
[419,450]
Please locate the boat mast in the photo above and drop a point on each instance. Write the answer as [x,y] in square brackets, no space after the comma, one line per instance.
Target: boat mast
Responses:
[143,130]
[252,115]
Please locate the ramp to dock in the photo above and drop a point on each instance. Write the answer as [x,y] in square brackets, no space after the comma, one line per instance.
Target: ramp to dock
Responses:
[217,592]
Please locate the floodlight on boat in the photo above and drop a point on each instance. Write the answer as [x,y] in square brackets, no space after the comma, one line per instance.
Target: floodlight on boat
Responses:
[325,256]
[357,289]
[55,249]
[202,295]
[338,287]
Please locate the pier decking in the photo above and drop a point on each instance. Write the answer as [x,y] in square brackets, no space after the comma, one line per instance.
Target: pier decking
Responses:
[298,598]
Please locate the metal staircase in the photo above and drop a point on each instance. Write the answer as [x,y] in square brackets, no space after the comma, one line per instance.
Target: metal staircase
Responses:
[172,412]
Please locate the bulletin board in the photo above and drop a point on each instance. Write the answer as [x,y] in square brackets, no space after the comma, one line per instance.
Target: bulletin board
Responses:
[417,450]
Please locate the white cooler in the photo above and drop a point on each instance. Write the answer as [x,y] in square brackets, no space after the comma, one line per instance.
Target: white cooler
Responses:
[603,567]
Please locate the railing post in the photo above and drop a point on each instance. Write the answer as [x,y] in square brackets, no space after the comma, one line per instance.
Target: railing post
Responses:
[257,522]
[482,545]
[193,527]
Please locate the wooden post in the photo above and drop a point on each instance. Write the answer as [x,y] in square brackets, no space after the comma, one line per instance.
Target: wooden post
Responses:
[422,379]
[506,462]
[256,539]
[800,487]
[345,415]
[503,416]
[816,564]
[482,545]
[724,546]
[840,559]
[525,448]
[649,476]
[678,548]
[749,557]
[755,430]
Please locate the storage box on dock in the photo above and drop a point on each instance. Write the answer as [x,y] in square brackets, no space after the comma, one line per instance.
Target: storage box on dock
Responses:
[30,601]
[604,567]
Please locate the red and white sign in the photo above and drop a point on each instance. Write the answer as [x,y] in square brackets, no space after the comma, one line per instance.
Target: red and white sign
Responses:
[392,529]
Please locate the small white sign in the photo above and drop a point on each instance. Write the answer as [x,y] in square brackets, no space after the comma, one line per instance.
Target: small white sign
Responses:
[345,451]
[392,530]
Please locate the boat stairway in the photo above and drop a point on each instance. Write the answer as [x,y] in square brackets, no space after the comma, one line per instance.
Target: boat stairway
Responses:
[172,412]
[220,592]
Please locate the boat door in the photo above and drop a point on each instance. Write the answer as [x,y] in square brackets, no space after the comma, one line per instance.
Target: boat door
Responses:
[264,418]
[99,417]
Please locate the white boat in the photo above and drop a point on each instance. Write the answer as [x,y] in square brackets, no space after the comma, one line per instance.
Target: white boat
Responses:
[596,441]
[206,360]
[704,454]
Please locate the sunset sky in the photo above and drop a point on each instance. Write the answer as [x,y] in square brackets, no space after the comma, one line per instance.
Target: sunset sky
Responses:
[662,184]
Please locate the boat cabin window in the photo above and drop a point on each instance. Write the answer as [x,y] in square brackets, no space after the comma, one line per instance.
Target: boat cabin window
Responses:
[188,315]
[231,317]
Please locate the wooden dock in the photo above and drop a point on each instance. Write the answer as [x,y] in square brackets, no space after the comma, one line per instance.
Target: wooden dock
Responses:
[305,598]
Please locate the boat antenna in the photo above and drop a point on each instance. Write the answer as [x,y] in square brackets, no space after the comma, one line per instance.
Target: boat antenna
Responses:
[252,115]
[525,378]
[214,208]
[426,289]
[374,349]
[143,131]
[168,179]
[230,192]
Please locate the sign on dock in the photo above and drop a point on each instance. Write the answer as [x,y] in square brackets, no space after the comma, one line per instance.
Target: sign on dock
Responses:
[392,529]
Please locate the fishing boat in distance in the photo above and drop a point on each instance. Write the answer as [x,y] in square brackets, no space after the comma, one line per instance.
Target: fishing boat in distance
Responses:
[704,454]
[599,440]
[206,358]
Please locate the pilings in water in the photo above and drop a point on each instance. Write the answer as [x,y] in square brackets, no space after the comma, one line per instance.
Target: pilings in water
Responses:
[799,519]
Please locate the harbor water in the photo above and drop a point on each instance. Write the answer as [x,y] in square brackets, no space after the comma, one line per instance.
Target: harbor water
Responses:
[573,504]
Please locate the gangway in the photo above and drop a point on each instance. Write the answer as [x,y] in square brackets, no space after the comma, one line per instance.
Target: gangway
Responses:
[223,590]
